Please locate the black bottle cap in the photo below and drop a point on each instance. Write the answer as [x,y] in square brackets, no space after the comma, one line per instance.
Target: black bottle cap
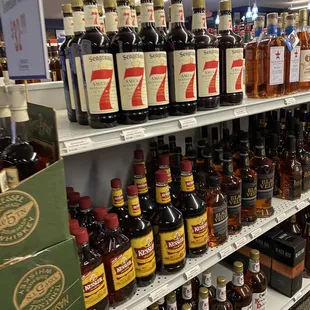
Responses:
[225,134]
[215,134]
[178,150]
[282,113]
[207,152]
[227,156]
[244,136]
[214,181]
[274,141]
[188,140]
[165,148]
[291,143]
[299,132]
[172,138]
[200,177]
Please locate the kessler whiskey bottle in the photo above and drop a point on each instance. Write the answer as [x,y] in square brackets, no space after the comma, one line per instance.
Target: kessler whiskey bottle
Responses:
[155,63]
[231,59]
[111,18]
[98,64]
[207,60]
[181,64]
[160,17]
[128,53]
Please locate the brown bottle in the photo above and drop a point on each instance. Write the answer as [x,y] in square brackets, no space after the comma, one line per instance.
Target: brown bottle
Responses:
[307,237]
[187,296]
[208,163]
[87,218]
[206,282]
[221,302]
[292,226]
[98,234]
[111,18]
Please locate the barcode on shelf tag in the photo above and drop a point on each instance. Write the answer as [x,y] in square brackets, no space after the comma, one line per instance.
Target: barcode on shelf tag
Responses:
[132,134]
[77,145]
[255,233]
[188,122]
[289,101]
[238,244]
[301,205]
[192,273]
[159,293]
[226,251]
[239,112]
[281,217]
[297,296]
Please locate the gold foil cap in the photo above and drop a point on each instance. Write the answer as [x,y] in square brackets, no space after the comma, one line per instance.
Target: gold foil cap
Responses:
[225,5]
[303,17]
[100,9]
[76,3]
[66,8]
[132,2]
[138,9]
[171,297]
[109,4]
[254,254]
[272,18]
[199,4]
[154,306]
[158,3]
[260,21]
[203,292]
[186,307]
[238,267]
[221,281]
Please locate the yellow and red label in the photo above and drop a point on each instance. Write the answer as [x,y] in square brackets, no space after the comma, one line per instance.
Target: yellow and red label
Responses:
[123,271]
[168,171]
[163,194]
[187,183]
[117,198]
[141,183]
[94,286]
[172,245]
[197,231]
[144,255]
[134,206]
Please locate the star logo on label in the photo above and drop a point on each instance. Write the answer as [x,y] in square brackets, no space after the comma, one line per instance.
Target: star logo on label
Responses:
[278,54]
[296,54]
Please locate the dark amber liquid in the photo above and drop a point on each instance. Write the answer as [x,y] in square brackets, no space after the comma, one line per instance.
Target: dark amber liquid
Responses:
[122,214]
[304,45]
[251,72]
[256,281]
[240,296]
[87,220]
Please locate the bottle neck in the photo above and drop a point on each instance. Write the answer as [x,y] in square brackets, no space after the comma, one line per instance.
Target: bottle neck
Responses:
[117,197]
[207,279]
[172,146]
[279,31]
[21,131]
[238,279]
[134,209]
[258,31]
[141,183]
[68,25]
[208,165]
[177,14]
[111,20]
[221,293]
[147,14]
[187,293]
[168,171]
[91,16]
[289,29]
[187,182]
[199,19]
[260,151]
[162,193]
[244,161]
[124,17]
[254,266]
[5,124]
[225,21]
[82,248]
[272,29]
[160,17]
[228,167]
[78,20]
[133,15]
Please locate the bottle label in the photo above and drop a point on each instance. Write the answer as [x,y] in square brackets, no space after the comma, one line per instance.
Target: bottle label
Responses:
[80,80]
[172,245]
[304,66]
[199,21]
[208,72]
[187,293]
[91,16]
[160,18]
[133,16]
[276,65]
[111,22]
[102,27]
[254,266]
[184,63]
[4,185]
[156,78]
[220,220]
[225,22]
[124,16]
[68,25]
[294,64]
[144,255]
[234,201]
[207,279]
[163,194]
[78,21]
[187,183]
[238,280]
[168,171]
[123,271]
[197,231]
[141,183]
[100,83]
[249,193]
[221,293]
[249,307]
[305,177]
[203,303]
[265,185]
[157,243]
[134,206]
[172,306]
[259,300]
[234,70]
[295,185]
[117,198]
[70,84]
[94,286]
[131,75]
[177,13]
[147,13]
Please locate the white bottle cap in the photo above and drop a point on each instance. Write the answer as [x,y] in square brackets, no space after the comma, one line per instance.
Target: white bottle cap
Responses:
[18,103]
[4,103]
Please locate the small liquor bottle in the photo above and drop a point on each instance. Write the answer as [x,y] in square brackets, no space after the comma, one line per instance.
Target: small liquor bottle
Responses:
[101,18]
[74,205]
[194,213]
[218,157]
[203,303]
[188,146]
[138,14]
[56,67]
[207,60]
[87,218]
[98,233]
[221,302]
[171,300]
[231,59]
[160,17]
[217,213]
[240,294]
[201,185]
[271,61]
[187,296]
[130,76]
[257,281]
[139,159]
[155,57]
[264,168]
[206,281]
[306,235]
[111,18]
[200,160]
[292,226]
[98,64]
[133,15]
[181,64]
[231,186]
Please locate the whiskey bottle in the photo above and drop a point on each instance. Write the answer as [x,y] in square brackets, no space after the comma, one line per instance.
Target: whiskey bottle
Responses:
[188,146]
[171,300]
[231,59]
[155,57]
[292,226]
[98,234]
[203,302]
[244,145]
[69,31]
[160,17]
[206,282]
[187,296]
[306,235]
[200,160]
[87,218]
[218,157]
[207,60]
[181,64]
[172,146]
[138,14]
[101,18]
[128,54]
[74,205]
[111,18]
[231,186]
[133,15]
[226,141]
[98,64]
[209,169]
[221,302]
[56,68]
[265,169]
[235,135]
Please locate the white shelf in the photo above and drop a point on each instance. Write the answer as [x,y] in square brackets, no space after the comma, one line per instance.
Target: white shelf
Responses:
[164,284]
[74,139]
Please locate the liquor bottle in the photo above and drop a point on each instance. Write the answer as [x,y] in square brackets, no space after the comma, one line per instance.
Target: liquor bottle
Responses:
[140,233]
[130,76]
[203,302]
[221,302]
[247,35]
[69,31]
[279,27]
[218,157]
[172,146]
[117,257]
[206,282]
[188,146]
[98,234]
[292,226]
[138,14]
[306,235]
[303,35]
[231,186]
[171,300]
[74,65]
[257,281]
[201,185]
[187,296]
[235,136]
[194,213]
[155,57]
[291,173]
[139,159]
[209,169]
[240,294]
[207,60]
[292,59]
[154,306]
[87,218]
[161,304]
[111,18]
[231,59]
[265,169]
[101,18]
[217,213]
[200,159]
[56,68]
[74,205]
[93,273]
[226,142]
[168,229]
[133,15]
[181,64]
[160,17]
[245,145]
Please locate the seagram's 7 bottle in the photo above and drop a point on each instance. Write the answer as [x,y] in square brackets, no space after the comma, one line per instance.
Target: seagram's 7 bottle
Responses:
[111,18]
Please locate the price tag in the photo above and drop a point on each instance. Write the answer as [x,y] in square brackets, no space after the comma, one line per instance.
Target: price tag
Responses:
[77,145]
[239,112]
[300,206]
[188,123]
[309,199]
[281,217]
[297,296]
[133,134]
[226,251]
[240,243]
[289,101]
[255,233]
[159,293]
[192,273]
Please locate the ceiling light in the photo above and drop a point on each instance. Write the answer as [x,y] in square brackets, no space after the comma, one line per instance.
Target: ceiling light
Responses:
[309,5]
[298,7]
[217,20]
[254,16]
[249,13]
[255,8]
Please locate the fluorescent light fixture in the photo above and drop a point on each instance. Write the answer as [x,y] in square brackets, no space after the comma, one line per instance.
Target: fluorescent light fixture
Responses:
[249,13]
[254,16]
[255,8]
[309,5]
[298,7]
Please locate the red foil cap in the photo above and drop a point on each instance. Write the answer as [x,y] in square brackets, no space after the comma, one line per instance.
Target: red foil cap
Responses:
[138,169]
[161,176]
[100,213]
[69,191]
[74,198]
[85,203]
[186,166]
[139,154]
[163,160]
[111,221]
[116,183]
[73,224]
[81,235]
[132,190]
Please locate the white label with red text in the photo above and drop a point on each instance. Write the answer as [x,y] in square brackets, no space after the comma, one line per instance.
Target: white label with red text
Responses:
[79,21]
[294,64]
[111,21]
[131,76]
[102,26]
[203,303]
[225,22]
[80,79]
[184,62]
[304,66]
[156,78]
[259,301]
[68,25]
[70,84]
[276,65]
[208,72]
[160,18]
[147,13]
[124,16]
[234,70]
[91,16]
[177,13]
[199,21]
[133,16]
[100,83]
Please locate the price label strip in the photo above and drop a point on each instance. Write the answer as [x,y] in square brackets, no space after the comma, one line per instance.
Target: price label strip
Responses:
[192,273]
[161,292]
[226,251]
[78,145]
[297,296]
[240,243]
[281,218]
[188,123]
[289,101]
[239,112]
[256,233]
[300,206]
[133,134]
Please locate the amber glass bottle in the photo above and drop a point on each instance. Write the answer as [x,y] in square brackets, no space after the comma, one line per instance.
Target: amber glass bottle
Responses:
[111,18]
[98,233]
[74,205]
[221,302]
[306,235]
[187,296]
[208,163]
[206,281]
[87,218]
[160,17]
[292,226]
[244,145]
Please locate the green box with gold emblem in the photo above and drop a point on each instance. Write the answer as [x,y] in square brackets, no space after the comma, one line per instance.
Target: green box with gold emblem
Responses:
[50,279]
[33,215]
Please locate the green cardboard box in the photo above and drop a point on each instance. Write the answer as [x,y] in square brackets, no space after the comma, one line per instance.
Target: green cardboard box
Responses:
[50,279]
[33,215]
